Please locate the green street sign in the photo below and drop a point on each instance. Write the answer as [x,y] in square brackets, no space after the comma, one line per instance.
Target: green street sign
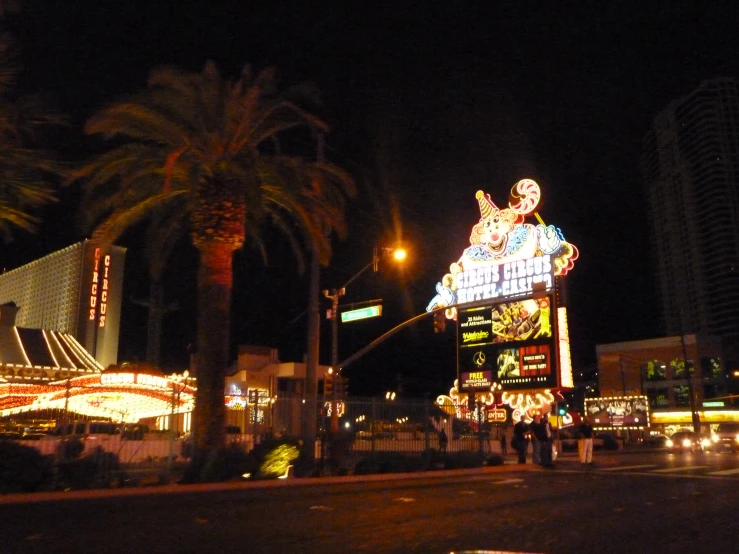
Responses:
[361,313]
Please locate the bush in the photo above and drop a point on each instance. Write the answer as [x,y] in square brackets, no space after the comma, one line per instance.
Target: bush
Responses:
[277,462]
[494,460]
[463,460]
[23,469]
[98,469]
[70,448]
[338,450]
[389,462]
[228,463]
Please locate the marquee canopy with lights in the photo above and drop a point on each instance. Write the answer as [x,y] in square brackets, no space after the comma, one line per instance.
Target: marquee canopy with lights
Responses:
[118,394]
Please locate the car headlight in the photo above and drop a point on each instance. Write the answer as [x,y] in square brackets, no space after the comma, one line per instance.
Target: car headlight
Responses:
[705,443]
[737,438]
[669,443]
[714,437]
[687,443]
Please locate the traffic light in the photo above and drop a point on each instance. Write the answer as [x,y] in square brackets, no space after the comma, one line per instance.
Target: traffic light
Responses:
[342,384]
[328,385]
[561,408]
[439,322]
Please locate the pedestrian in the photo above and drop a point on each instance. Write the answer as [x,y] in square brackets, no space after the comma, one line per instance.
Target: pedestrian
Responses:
[541,435]
[521,440]
[547,453]
[443,439]
[586,442]
[503,445]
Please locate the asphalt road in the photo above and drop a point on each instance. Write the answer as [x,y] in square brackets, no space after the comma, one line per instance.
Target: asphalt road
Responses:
[640,503]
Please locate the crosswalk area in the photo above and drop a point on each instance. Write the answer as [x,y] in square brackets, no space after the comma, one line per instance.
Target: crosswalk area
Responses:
[673,470]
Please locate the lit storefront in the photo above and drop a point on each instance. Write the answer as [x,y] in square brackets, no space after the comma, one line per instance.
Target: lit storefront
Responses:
[677,393]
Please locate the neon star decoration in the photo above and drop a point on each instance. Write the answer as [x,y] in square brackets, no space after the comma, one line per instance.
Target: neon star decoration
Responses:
[506,256]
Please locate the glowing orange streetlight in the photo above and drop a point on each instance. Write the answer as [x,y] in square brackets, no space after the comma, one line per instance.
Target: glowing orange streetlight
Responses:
[399,255]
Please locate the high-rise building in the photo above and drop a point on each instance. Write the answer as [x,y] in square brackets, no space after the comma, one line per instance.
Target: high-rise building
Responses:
[690,167]
[76,290]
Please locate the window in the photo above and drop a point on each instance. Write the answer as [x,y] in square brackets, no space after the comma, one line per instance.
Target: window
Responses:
[658,398]
[682,398]
[677,367]
[711,368]
[654,370]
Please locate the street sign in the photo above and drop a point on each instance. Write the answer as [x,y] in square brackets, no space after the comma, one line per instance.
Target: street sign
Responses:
[361,313]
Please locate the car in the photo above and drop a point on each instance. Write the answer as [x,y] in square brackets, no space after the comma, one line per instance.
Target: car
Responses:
[655,441]
[689,441]
[726,437]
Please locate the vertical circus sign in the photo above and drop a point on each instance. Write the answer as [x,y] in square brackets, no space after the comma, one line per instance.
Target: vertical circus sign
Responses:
[99,287]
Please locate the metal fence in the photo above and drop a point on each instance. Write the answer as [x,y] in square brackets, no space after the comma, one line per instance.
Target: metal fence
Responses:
[158,448]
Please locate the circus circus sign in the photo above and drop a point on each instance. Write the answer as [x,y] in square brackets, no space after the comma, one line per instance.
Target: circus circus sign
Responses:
[507,257]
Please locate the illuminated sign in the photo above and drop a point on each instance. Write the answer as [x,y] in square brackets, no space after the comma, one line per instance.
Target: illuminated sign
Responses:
[514,367]
[565,359]
[506,257]
[99,287]
[135,378]
[508,279]
[475,381]
[618,412]
[523,404]
[713,404]
[514,321]
[361,313]
[497,416]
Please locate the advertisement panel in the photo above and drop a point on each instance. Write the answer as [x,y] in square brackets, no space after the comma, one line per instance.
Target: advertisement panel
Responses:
[512,340]
[514,321]
[513,367]
[618,412]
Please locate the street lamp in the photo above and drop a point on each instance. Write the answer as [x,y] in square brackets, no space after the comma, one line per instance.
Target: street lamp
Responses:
[399,255]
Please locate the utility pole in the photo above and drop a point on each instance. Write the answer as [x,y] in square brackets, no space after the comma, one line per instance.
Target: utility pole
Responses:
[334,297]
[691,395]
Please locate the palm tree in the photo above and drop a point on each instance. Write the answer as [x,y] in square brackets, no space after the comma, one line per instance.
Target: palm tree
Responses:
[196,144]
[25,170]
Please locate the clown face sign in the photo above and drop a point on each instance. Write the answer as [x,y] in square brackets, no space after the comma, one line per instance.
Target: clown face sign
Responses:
[510,333]
[507,257]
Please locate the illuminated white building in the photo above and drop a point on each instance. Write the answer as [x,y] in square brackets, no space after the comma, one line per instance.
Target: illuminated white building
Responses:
[690,166]
[76,291]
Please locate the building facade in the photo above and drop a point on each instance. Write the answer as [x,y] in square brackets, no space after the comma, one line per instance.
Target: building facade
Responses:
[690,168]
[677,391]
[76,290]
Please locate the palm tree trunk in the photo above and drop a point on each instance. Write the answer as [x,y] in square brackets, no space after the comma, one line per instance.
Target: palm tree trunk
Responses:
[215,280]
[154,329]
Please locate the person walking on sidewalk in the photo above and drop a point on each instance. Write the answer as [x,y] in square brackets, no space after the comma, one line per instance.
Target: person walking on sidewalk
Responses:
[586,442]
[542,440]
[443,440]
[521,440]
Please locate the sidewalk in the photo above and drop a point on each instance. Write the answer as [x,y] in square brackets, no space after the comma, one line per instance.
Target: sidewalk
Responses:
[21,498]
[510,464]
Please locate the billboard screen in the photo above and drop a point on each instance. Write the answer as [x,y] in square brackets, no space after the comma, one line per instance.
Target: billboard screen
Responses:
[515,321]
[513,340]
[514,367]
[618,412]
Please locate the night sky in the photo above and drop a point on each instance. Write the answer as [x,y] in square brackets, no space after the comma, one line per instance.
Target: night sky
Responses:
[428,103]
